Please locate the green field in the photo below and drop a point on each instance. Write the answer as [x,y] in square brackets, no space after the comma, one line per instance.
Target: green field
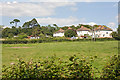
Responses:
[102,49]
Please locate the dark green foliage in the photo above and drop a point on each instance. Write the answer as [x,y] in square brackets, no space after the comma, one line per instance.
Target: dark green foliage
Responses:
[112,70]
[15,21]
[114,35]
[22,36]
[15,41]
[36,31]
[13,30]
[31,23]
[45,39]
[49,68]
[70,33]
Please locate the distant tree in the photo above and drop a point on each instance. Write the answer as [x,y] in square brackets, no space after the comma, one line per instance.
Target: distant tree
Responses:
[15,21]
[56,26]
[26,25]
[10,35]
[42,35]
[73,27]
[34,23]
[31,23]
[70,33]
[65,27]
[36,31]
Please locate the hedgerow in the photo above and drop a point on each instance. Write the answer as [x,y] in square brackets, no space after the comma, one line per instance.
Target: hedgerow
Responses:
[41,40]
[56,68]
[111,71]
[49,68]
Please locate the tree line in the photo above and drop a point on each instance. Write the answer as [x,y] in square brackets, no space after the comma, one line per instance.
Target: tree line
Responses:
[33,28]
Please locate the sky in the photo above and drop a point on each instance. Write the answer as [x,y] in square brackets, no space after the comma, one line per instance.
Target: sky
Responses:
[62,13]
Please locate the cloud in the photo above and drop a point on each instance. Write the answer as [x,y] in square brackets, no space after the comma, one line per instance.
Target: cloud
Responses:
[112,25]
[60,21]
[31,9]
[91,23]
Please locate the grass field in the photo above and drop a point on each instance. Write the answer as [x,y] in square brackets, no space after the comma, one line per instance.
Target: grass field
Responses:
[103,50]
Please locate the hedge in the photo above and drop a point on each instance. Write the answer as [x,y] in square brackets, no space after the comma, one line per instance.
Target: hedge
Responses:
[24,41]
[53,68]
[111,71]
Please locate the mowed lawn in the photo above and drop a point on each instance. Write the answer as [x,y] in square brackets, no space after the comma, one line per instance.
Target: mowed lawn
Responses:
[102,49]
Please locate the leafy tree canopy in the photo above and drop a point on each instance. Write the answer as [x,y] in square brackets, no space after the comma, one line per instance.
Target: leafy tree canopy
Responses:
[70,33]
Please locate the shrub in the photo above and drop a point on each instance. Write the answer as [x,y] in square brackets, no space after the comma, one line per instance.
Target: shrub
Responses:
[24,41]
[112,70]
[49,68]
[15,41]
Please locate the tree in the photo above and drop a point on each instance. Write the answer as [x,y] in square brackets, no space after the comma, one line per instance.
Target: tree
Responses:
[5,32]
[10,35]
[114,34]
[31,23]
[57,28]
[15,21]
[70,33]
[36,31]
[22,35]
[73,27]
[34,23]
[26,25]
[65,27]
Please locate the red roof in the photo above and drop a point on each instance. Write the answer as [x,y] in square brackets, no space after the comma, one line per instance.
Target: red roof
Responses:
[83,29]
[103,28]
[69,28]
[60,31]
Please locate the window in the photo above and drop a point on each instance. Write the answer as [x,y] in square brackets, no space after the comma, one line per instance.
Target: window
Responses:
[106,32]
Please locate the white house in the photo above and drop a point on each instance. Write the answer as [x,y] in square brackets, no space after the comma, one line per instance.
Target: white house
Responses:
[102,32]
[59,33]
[83,31]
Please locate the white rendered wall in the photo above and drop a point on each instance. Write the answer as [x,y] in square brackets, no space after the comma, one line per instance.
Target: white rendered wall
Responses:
[103,33]
[58,34]
[81,33]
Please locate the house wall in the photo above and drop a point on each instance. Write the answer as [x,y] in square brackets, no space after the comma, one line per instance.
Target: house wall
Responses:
[97,33]
[58,34]
[103,33]
[81,33]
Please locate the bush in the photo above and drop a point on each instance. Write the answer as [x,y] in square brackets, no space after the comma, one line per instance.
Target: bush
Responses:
[41,40]
[112,70]
[105,39]
[49,68]
[15,41]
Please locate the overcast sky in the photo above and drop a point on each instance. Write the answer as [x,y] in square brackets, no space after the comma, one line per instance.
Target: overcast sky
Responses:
[61,13]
